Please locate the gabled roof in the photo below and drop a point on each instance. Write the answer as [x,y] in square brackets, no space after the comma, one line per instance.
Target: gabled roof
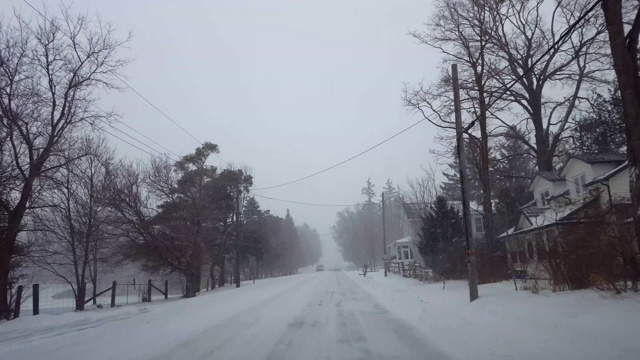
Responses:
[599,158]
[608,175]
[548,175]
[558,194]
[404,240]
[530,203]
[595,159]
[549,216]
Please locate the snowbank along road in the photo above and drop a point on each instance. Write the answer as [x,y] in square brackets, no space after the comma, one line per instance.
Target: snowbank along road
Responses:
[310,316]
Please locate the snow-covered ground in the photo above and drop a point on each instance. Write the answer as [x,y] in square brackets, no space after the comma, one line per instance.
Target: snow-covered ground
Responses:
[506,324]
[339,315]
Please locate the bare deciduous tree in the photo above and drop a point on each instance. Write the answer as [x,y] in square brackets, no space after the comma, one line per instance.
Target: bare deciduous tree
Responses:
[50,70]
[70,232]
[461,30]
[622,19]
[543,101]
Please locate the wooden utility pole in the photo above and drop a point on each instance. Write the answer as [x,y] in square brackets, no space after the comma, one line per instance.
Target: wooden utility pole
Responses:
[290,252]
[384,239]
[236,265]
[464,187]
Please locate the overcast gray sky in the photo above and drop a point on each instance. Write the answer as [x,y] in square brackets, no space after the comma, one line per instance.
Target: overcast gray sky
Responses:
[287,87]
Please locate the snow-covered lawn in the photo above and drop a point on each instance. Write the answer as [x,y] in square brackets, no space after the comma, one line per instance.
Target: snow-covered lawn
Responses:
[507,324]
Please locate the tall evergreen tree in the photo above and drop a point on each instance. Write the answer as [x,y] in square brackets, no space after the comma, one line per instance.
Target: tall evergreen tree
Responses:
[601,129]
[442,239]
[368,191]
[513,168]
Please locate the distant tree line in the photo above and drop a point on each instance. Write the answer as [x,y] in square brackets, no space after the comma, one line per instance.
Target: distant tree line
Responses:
[358,230]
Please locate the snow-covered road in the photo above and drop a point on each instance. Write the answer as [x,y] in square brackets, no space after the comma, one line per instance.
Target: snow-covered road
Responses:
[324,315]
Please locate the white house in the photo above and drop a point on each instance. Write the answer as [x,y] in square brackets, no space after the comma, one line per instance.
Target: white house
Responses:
[477,218]
[406,248]
[561,199]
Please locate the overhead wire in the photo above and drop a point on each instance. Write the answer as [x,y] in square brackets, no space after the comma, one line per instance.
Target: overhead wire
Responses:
[138,93]
[346,160]
[302,203]
[567,32]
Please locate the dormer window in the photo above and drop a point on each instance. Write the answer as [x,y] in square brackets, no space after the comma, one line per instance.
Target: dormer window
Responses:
[544,195]
[579,182]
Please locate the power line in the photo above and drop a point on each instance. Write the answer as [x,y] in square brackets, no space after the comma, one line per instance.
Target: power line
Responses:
[302,203]
[346,160]
[127,142]
[566,33]
[137,140]
[134,90]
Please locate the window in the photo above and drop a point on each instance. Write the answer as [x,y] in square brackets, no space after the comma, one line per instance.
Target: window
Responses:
[399,253]
[477,223]
[405,252]
[579,182]
[544,195]
[411,253]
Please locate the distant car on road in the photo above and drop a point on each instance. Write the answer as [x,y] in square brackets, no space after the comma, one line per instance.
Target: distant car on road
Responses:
[319,268]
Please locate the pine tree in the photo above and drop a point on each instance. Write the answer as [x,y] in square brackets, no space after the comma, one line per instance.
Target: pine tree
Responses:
[513,169]
[251,209]
[368,191]
[441,241]
[450,187]
[601,129]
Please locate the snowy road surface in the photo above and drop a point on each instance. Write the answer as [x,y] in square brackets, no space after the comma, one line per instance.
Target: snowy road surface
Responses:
[324,315]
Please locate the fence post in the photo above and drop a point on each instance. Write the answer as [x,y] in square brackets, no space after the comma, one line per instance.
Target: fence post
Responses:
[113,293]
[166,289]
[149,291]
[35,297]
[16,309]
[402,269]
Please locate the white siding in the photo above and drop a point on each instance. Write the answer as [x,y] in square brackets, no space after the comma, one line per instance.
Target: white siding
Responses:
[619,185]
[558,186]
[540,185]
[601,169]
[575,168]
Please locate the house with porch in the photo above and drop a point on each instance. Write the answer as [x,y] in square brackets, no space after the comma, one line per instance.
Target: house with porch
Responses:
[406,249]
[562,199]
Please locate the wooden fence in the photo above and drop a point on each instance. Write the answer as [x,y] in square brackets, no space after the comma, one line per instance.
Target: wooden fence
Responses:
[35,295]
[412,270]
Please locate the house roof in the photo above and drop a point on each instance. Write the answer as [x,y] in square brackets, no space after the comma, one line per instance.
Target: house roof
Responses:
[530,203]
[599,158]
[559,194]
[608,175]
[404,240]
[548,216]
[595,159]
[548,175]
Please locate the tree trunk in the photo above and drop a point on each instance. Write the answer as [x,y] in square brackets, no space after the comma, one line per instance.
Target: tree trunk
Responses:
[193,284]
[222,277]
[236,268]
[624,51]
[80,296]
[5,268]
[212,276]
